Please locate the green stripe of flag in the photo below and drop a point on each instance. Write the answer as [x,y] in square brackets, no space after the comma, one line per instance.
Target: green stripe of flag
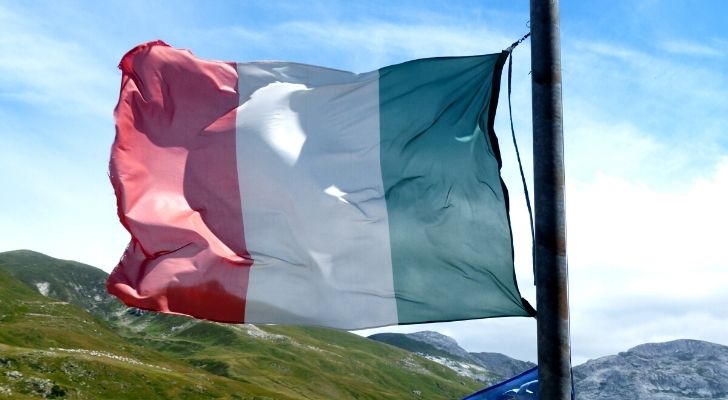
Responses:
[450,234]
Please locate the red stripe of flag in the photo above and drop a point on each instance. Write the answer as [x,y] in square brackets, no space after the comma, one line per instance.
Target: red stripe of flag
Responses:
[173,168]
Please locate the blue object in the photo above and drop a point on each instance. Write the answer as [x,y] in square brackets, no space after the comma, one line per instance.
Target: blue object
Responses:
[523,386]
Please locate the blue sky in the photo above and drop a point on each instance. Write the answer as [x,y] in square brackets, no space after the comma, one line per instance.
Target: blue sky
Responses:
[645,118]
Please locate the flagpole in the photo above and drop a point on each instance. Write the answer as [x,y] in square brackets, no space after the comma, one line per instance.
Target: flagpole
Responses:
[554,349]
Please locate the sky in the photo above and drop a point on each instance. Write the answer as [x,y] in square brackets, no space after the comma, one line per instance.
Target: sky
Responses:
[645,133]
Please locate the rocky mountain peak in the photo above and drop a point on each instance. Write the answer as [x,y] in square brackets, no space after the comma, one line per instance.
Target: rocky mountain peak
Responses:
[688,347]
[488,368]
[441,342]
[501,364]
[680,369]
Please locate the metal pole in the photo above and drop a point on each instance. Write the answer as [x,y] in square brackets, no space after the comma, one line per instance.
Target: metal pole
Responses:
[554,350]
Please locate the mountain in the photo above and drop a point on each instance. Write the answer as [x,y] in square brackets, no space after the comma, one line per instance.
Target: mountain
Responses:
[677,370]
[409,342]
[488,368]
[681,369]
[62,336]
[70,281]
[501,364]
[441,342]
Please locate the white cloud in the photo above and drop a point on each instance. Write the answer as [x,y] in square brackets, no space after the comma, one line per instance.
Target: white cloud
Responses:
[646,188]
[651,91]
[57,198]
[631,225]
[368,44]
[383,41]
[61,76]
[682,47]
[641,255]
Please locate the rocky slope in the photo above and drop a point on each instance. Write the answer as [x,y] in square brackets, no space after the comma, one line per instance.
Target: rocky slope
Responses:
[488,368]
[681,369]
[441,342]
[677,370]
[501,364]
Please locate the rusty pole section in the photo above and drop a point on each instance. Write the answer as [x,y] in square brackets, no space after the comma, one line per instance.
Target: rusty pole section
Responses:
[554,350]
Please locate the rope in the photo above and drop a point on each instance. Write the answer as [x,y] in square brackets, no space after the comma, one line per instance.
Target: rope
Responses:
[518,154]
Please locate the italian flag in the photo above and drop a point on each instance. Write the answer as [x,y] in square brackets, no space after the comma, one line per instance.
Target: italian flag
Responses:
[277,192]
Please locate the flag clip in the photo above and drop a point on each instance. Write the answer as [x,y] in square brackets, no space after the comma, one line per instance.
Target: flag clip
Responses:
[517,42]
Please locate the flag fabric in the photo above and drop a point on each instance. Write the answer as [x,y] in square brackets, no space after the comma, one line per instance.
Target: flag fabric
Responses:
[276,192]
[523,386]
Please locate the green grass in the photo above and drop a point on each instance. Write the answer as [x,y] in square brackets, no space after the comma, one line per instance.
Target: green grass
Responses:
[64,278]
[177,357]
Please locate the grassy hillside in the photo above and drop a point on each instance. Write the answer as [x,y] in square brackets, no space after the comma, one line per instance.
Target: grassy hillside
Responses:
[303,362]
[132,354]
[73,282]
[54,349]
